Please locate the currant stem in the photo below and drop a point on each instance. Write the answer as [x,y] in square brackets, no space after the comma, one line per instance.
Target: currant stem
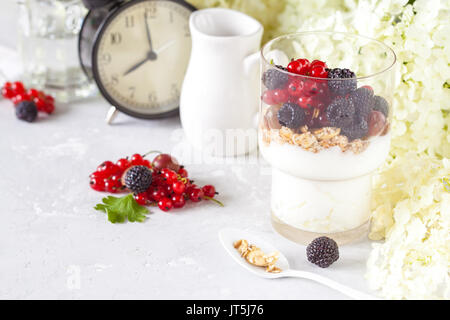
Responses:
[214,200]
[150,152]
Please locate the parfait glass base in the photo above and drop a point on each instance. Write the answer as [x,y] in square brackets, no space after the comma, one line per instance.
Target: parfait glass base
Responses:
[305,237]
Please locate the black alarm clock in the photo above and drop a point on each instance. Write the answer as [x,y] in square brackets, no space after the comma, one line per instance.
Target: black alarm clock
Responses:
[137,52]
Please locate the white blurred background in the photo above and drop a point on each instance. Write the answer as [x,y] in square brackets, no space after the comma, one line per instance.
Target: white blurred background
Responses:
[8,23]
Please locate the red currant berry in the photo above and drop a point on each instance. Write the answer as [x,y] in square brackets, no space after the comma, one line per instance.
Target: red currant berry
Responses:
[316,63]
[183,173]
[305,102]
[158,194]
[112,186]
[50,108]
[190,187]
[98,184]
[7,92]
[209,191]
[170,175]
[141,198]
[318,72]
[178,187]
[196,195]
[136,159]
[18,87]
[299,66]
[40,104]
[295,88]
[146,163]
[123,164]
[18,98]
[108,168]
[178,201]
[165,204]
[33,93]
[49,99]
[269,98]
[97,175]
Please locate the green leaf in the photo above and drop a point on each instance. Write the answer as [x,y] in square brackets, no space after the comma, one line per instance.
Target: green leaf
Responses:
[120,209]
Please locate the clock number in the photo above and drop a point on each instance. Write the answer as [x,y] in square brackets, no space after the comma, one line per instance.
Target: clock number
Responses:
[132,91]
[129,21]
[150,12]
[171,16]
[114,80]
[152,98]
[116,38]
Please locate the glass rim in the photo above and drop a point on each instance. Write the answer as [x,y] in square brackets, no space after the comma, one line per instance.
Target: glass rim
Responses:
[288,35]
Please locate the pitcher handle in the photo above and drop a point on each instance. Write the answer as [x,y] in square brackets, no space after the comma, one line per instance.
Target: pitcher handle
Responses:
[252,70]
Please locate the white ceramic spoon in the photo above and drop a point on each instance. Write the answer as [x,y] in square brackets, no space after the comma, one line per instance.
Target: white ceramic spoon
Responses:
[229,236]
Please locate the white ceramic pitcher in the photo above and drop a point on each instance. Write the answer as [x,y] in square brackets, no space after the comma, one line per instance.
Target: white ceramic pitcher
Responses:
[220,94]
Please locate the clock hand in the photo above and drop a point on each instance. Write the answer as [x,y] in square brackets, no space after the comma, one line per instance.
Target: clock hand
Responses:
[164,47]
[137,66]
[147,28]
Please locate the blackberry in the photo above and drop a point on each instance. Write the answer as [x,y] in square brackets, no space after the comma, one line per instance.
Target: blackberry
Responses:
[274,79]
[138,179]
[291,115]
[380,104]
[341,87]
[341,112]
[358,129]
[363,100]
[27,111]
[322,251]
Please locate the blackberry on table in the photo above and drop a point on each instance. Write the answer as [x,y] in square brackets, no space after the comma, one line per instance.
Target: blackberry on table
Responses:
[322,251]
[341,87]
[291,115]
[340,112]
[274,79]
[380,104]
[27,111]
[138,179]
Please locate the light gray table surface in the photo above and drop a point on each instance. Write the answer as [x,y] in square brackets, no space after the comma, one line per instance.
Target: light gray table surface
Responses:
[54,245]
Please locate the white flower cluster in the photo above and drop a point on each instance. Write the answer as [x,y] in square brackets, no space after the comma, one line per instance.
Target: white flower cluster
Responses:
[412,205]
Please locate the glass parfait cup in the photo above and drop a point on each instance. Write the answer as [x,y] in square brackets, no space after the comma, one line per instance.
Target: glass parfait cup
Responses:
[324,132]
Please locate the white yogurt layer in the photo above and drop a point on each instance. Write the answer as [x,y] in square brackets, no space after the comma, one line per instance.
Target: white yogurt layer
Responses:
[321,206]
[324,192]
[328,164]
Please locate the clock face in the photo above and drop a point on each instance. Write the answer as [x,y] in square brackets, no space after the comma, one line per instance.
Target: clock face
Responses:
[141,56]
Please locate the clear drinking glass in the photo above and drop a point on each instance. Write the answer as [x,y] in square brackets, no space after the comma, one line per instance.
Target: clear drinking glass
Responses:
[48,45]
[325,137]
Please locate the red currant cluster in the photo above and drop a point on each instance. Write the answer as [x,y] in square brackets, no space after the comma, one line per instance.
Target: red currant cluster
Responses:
[310,92]
[170,187]
[17,93]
